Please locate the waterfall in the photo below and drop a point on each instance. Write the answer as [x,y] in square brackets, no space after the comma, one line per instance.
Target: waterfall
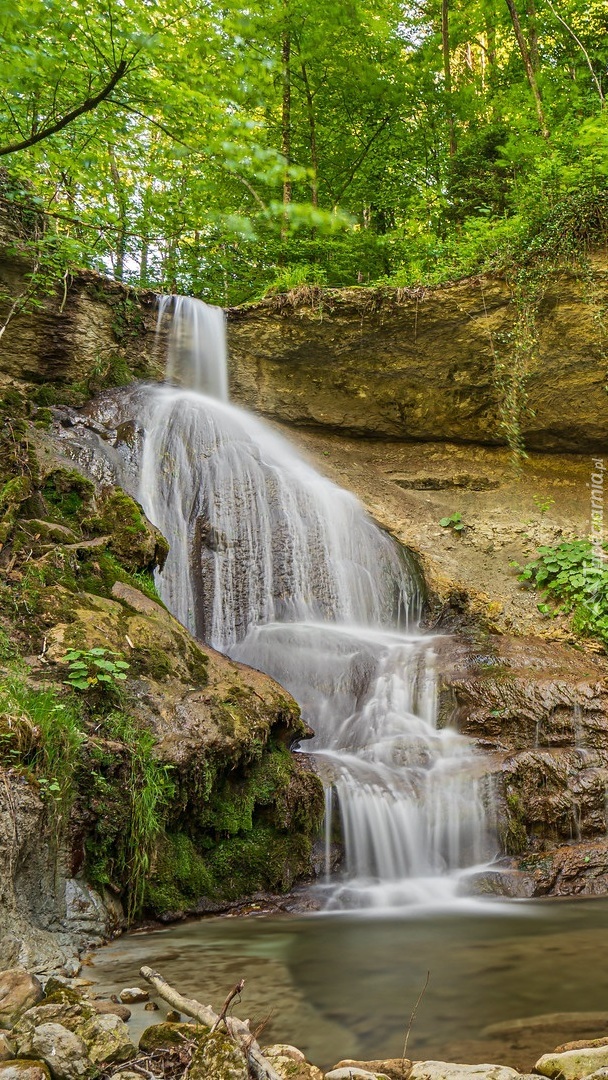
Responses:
[276,566]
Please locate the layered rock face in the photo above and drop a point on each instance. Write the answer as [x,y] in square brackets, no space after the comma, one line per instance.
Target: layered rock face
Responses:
[422,364]
[539,713]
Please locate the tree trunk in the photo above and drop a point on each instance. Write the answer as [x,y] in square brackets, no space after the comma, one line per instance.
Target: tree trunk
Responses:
[527,61]
[122,206]
[286,129]
[312,129]
[447,71]
[533,34]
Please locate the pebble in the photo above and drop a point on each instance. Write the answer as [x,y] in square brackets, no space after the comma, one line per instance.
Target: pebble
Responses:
[131,995]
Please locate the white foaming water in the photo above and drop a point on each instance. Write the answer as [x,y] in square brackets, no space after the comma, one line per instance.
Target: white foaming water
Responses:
[196,357]
[275,565]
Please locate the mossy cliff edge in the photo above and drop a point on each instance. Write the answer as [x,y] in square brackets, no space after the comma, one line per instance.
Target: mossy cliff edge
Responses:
[172,790]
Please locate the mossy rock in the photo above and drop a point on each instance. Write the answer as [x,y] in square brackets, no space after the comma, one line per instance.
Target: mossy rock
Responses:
[218,1058]
[166,1035]
[133,539]
[69,495]
[106,1038]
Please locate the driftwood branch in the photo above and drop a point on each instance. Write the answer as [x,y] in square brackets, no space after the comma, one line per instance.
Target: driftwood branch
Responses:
[234,993]
[237,1029]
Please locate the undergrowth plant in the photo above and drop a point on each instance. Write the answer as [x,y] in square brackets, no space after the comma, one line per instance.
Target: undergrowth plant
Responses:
[89,668]
[571,581]
[138,801]
[41,734]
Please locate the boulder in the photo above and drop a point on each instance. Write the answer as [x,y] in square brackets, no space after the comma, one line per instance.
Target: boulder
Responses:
[164,1036]
[63,1051]
[218,1058]
[283,1050]
[580,1044]
[573,1064]
[6,1049]
[70,1016]
[107,1039]
[24,1069]
[18,990]
[351,1072]
[103,1007]
[447,1070]
[132,995]
[394,1068]
[291,1064]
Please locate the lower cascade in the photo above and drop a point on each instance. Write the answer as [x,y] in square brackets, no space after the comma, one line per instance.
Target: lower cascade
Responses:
[279,568]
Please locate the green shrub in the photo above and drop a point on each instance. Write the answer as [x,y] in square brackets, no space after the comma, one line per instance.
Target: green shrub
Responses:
[573,581]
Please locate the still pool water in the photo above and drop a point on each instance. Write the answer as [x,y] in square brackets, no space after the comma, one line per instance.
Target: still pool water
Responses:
[345,986]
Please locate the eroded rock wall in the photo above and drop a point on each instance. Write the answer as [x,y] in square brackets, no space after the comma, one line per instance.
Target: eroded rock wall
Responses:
[422,364]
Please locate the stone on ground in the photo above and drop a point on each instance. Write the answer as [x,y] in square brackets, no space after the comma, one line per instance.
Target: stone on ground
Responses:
[18,990]
[351,1072]
[447,1070]
[63,1051]
[394,1068]
[164,1036]
[283,1050]
[218,1058]
[573,1064]
[103,1007]
[24,1069]
[6,1050]
[107,1040]
[132,994]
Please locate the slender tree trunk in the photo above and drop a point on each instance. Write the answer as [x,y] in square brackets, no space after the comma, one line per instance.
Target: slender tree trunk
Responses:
[121,203]
[491,39]
[312,129]
[286,129]
[533,34]
[529,69]
[447,70]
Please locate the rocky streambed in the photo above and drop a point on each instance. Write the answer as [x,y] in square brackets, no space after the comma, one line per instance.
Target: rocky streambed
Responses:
[67,1030]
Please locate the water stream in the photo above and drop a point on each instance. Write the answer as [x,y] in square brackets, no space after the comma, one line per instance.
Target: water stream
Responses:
[273,564]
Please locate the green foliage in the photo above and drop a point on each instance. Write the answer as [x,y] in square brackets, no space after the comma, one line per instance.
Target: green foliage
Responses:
[395,173]
[68,494]
[90,668]
[133,801]
[543,504]
[574,581]
[41,734]
[294,277]
[454,522]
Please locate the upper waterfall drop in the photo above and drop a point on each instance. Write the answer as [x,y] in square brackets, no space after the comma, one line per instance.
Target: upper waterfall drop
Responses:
[196,354]
[274,564]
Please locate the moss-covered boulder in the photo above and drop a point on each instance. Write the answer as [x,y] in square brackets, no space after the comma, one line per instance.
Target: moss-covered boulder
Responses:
[165,1036]
[107,1040]
[133,539]
[218,1058]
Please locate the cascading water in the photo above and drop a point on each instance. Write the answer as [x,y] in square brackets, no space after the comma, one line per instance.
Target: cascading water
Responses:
[276,566]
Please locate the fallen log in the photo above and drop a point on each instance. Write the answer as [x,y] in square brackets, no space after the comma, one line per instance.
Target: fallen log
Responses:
[238,1030]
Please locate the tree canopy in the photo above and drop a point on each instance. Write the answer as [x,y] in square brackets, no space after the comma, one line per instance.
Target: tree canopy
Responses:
[222,149]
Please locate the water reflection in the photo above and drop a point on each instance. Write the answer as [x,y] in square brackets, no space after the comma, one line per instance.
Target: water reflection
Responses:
[346,987]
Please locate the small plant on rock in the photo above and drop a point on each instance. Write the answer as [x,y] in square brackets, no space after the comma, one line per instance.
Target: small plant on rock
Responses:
[454,522]
[88,668]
